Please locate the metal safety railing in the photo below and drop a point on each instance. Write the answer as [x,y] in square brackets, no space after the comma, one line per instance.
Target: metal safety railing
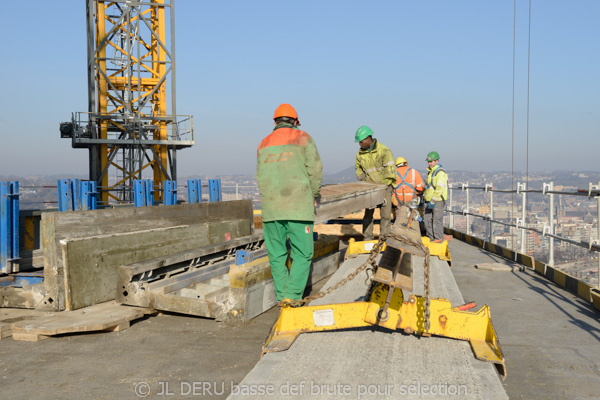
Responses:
[548,229]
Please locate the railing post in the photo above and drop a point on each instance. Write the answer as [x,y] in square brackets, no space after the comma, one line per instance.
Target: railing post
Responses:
[487,187]
[523,187]
[237,185]
[598,253]
[551,223]
[451,222]
[467,216]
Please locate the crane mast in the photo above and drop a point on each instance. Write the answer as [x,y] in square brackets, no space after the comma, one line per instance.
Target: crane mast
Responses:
[131,81]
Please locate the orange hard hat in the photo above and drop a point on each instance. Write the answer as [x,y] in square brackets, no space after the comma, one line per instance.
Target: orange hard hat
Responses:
[285,110]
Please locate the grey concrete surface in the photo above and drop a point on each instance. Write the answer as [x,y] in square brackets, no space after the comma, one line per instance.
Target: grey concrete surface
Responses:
[173,351]
[372,363]
[550,337]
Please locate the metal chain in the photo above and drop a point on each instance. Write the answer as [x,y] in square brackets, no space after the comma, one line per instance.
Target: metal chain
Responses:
[371,262]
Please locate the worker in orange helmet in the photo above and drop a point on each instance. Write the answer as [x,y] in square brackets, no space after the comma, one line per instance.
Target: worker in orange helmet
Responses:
[289,174]
[409,183]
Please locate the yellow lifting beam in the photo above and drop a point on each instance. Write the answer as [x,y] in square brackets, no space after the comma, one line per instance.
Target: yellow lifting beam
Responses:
[409,316]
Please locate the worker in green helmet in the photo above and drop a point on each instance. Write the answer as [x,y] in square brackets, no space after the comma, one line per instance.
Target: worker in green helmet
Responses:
[375,163]
[436,193]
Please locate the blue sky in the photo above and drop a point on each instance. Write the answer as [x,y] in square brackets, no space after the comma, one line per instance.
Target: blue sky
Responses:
[424,75]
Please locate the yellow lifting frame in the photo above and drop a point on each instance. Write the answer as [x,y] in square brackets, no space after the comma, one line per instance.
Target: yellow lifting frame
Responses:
[409,316]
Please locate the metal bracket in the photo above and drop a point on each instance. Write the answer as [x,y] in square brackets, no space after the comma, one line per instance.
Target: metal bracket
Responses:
[464,187]
[488,187]
[546,230]
[593,188]
[520,223]
[521,187]
[593,243]
[545,187]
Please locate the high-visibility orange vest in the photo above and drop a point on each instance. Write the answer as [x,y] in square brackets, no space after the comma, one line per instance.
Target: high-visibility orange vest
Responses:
[408,183]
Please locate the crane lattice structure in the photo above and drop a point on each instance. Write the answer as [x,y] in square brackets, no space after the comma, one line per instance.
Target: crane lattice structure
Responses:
[131,79]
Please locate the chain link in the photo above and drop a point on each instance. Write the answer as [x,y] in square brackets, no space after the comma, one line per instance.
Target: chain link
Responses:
[371,263]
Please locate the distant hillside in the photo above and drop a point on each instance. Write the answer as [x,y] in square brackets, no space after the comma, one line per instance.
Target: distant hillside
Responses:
[344,176]
[500,179]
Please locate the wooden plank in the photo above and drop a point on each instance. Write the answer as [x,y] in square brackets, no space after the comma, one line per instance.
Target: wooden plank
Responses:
[346,198]
[80,224]
[105,316]
[9,316]
[343,230]
[91,264]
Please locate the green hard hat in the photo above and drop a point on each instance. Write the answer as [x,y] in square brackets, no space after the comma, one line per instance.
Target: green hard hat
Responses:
[362,133]
[432,156]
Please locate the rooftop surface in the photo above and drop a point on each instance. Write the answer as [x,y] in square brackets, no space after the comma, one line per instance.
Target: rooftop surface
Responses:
[550,340]
[550,337]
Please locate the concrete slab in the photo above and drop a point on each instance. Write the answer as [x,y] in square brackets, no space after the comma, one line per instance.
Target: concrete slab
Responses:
[504,267]
[371,363]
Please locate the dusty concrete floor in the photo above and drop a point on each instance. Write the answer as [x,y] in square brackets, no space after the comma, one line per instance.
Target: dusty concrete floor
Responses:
[166,348]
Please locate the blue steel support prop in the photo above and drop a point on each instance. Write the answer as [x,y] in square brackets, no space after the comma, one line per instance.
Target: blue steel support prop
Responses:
[74,195]
[194,191]
[149,191]
[4,219]
[87,195]
[143,193]
[14,199]
[9,225]
[214,190]
[170,193]
[139,198]
[63,194]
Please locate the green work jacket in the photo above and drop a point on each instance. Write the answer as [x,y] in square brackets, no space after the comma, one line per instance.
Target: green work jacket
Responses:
[436,188]
[289,174]
[376,165]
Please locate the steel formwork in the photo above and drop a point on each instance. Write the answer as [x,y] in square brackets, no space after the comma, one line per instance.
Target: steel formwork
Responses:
[127,128]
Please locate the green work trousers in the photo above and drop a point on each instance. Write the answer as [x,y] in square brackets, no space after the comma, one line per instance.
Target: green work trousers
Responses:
[289,284]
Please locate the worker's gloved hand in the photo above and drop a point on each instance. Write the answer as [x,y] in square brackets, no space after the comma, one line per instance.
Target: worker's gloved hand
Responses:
[431,205]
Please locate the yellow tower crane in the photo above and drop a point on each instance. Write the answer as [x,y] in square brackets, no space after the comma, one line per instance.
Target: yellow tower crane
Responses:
[131,80]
